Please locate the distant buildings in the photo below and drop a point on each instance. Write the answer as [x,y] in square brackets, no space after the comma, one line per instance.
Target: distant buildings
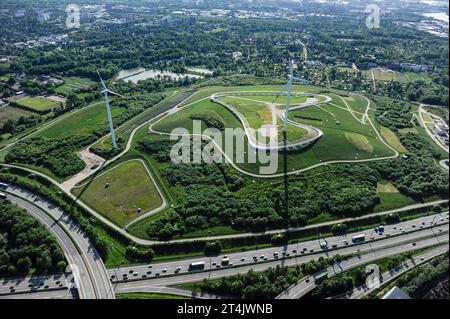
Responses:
[237,55]
[43,16]
[44,79]
[50,39]
[179,17]
[419,67]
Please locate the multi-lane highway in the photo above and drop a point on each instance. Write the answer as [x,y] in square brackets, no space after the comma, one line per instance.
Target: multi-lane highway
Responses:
[308,283]
[365,256]
[96,281]
[88,270]
[392,235]
[390,275]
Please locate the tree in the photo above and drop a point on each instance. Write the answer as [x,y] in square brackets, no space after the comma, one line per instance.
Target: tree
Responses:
[213,248]
[24,264]
[61,265]
[102,247]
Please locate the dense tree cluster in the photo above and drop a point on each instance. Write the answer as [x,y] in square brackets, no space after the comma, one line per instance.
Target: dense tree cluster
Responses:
[212,195]
[138,253]
[333,286]
[415,176]
[352,192]
[394,114]
[254,285]
[418,145]
[55,154]
[16,126]
[421,279]
[25,244]
[157,149]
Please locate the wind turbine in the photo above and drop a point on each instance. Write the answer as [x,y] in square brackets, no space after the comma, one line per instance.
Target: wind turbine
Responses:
[105,92]
[288,86]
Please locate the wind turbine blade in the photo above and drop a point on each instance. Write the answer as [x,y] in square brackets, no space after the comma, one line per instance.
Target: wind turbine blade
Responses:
[101,80]
[114,93]
[300,79]
[291,68]
[281,92]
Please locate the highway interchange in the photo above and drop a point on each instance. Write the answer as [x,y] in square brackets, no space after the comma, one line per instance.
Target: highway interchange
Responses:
[93,281]
[88,270]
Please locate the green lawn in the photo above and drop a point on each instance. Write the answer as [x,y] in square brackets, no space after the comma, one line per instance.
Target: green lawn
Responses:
[84,121]
[402,77]
[39,104]
[130,187]
[392,200]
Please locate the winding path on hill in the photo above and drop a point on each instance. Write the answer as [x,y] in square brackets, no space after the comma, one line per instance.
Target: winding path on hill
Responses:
[294,172]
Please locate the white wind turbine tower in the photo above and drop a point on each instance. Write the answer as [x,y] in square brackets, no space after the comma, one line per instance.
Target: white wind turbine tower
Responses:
[288,86]
[105,91]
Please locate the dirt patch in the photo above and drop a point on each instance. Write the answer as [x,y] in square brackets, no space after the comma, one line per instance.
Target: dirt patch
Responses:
[386,188]
[359,141]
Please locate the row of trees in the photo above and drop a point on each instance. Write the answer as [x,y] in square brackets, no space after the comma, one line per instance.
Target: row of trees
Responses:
[266,284]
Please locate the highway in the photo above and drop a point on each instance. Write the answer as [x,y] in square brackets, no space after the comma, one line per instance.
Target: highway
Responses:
[88,269]
[165,273]
[308,283]
[366,256]
[144,242]
[389,276]
[393,234]
[53,294]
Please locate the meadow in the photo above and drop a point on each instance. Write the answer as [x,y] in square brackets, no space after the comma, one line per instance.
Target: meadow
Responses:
[119,193]
[39,104]
[84,121]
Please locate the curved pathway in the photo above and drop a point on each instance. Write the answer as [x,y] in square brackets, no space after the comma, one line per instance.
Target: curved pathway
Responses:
[177,108]
[430,134]
[250,131]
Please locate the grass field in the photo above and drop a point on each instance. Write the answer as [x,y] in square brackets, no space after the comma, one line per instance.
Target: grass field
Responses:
[12,113]
[72,84]
[39,104]
[392,139]
[130,187]
[84,121]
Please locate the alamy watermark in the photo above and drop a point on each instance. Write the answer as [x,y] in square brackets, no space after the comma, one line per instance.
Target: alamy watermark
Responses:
[73,16]
[230,145]
[374,18]
[373,279]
